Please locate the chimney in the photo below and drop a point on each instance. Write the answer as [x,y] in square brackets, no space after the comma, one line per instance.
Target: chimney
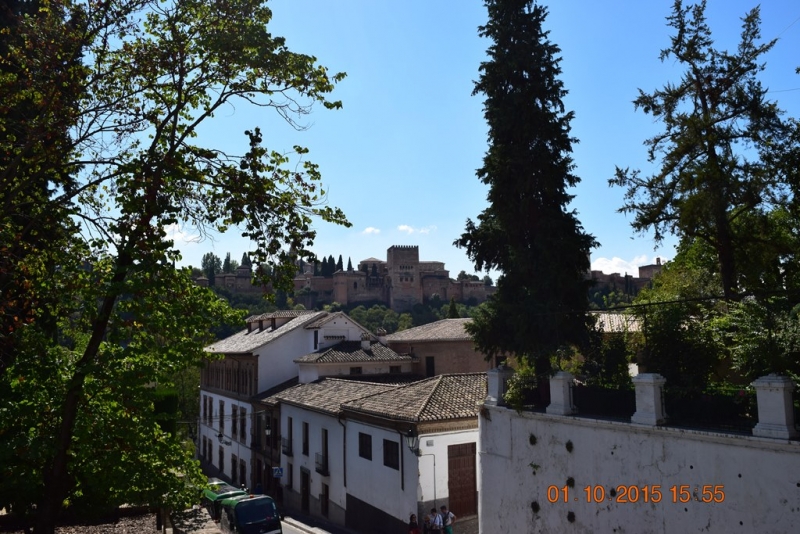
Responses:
[260,325]
[381,336]
[658,261]
[365,341]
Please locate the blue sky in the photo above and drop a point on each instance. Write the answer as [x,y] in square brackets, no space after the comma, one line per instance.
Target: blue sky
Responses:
[400,157]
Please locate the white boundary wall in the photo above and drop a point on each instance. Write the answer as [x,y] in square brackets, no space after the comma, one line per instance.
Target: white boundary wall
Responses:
[760,477]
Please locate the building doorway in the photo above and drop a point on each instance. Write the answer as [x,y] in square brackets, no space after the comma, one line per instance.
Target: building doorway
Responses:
[462,483]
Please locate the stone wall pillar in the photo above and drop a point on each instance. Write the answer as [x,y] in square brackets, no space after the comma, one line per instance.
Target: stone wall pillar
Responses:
[561,394]
[649,399]
[775,409]
[497,385]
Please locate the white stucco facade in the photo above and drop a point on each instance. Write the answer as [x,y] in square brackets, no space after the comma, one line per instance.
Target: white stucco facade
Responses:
[753,483]
[230,443]
[433,467]
[393,491]
[292,465]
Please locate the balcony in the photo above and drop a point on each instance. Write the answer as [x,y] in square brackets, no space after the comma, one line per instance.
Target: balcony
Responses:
[321,464]
[286,446]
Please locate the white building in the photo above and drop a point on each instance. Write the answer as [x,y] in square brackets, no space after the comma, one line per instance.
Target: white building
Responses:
[234,443]
[367,454]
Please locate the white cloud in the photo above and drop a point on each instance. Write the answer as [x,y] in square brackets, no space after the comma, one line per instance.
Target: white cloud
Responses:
[427,229]
[411,230]
[180,235]
[620,266]
[371,230]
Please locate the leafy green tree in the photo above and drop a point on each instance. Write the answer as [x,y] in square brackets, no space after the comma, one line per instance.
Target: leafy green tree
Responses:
[487,281]
[526,232]
[404,322]
[131,81]
[717,149]
[391,321]
[464,276]
[359,315]
[675,314]
[211,265]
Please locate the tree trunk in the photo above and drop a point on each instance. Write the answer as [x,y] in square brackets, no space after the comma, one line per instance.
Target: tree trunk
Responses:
[56,479]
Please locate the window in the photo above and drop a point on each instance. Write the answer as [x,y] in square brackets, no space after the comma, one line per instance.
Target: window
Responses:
[429,367]
[394,368]
[355,370]
[222,416]
[316,339]
[391,454]
[289,476]
[305,439]
[205,408]
[365,446]
[242,424]
[234,421]
[243,473]
[222,459]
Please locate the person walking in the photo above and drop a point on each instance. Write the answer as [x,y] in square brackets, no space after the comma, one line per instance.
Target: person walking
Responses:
[413,526]
[434,521]
[448,518]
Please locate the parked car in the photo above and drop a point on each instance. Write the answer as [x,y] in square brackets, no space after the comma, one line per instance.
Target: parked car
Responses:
[213,496]
[250,514]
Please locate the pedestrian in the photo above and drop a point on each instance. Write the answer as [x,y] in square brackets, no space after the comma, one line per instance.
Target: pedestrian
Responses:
[448,518]
[413,526]
[434,522]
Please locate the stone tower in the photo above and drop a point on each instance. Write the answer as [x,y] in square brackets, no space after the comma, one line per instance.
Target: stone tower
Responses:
[403,276]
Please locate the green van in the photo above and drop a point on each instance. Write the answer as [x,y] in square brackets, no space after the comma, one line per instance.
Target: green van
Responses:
[250,514]
[215,493]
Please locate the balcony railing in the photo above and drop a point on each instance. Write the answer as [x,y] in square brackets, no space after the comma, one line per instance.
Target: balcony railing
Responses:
[286,446]
[321,464]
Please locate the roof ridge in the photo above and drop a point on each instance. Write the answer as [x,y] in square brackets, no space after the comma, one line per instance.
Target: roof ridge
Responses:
[431,392]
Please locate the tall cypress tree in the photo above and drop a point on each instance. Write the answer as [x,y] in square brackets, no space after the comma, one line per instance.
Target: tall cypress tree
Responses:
[527,232]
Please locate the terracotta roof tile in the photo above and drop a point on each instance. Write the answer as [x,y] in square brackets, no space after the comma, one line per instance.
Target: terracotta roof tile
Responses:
[244,341]
[444,330]
[351,352]
[616,322]
[328,394]
[443,397]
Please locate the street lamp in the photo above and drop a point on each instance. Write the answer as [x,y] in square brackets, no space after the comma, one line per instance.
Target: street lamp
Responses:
[412,441]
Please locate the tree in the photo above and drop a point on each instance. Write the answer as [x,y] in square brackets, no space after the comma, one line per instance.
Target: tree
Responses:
[349,265]
[452,310]
[720,135]
[331,265]
[462,275]
[526,232]
[487,281]
[211,265]
[339,264]
[226,264]
[131,82]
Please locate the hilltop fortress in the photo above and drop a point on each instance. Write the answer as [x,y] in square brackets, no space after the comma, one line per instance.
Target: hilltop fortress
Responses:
[401,281]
